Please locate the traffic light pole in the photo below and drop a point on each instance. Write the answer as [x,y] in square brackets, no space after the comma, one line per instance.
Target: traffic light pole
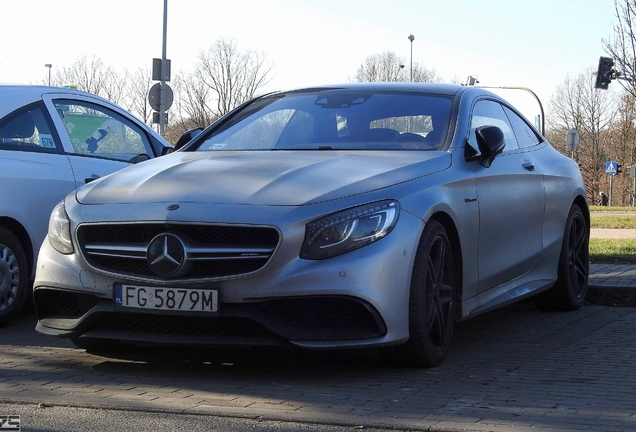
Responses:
[162,95]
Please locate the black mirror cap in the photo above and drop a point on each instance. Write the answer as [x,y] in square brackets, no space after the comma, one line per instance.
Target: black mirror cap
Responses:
[491,142]
[187,137]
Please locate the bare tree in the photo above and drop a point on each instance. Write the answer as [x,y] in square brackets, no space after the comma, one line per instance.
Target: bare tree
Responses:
[93,76]
[388,67]
[137,100]
[193,99]
[233,76]
[622,47]
[381,67]
[577,104]
[622,148]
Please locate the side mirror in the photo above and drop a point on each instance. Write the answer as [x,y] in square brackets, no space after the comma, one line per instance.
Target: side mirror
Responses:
[491,142]
[187,137]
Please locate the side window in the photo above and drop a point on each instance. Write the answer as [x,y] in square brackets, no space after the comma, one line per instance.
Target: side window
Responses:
[96,131]
[526,137]
[491,113]
[28,130]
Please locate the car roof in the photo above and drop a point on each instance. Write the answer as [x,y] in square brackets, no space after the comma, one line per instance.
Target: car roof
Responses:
[18,94]
[418,87]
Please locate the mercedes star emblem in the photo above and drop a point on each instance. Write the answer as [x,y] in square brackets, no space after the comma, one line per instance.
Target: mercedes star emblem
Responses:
[166,256]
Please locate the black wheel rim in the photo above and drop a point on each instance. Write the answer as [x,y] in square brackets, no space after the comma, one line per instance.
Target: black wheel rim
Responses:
[9,277]
[578,255]
[439,293]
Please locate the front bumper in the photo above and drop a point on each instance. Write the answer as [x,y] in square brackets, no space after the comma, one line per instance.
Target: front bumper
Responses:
[358,299]
[281,322]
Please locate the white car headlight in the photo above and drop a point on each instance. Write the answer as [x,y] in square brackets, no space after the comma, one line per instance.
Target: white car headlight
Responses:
[349,229]
[60,230]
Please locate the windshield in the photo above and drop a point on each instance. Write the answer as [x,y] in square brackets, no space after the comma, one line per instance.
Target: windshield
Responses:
[337,120]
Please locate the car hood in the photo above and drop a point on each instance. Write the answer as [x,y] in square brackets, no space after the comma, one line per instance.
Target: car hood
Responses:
[261,178]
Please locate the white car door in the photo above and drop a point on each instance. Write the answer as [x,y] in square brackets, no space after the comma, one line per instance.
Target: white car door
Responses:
[35,171]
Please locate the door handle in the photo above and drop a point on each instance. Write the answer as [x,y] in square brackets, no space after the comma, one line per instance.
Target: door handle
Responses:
[529,165]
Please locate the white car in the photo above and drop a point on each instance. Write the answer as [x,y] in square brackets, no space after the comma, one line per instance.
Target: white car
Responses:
[53,140]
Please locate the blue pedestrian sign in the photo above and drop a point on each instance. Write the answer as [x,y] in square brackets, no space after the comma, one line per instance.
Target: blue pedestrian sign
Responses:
[611,168]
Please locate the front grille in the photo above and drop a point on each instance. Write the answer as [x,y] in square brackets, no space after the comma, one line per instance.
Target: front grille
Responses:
[213,251]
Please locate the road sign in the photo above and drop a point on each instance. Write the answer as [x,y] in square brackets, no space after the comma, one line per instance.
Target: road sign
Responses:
[572,139]
[611,168]
[154,96]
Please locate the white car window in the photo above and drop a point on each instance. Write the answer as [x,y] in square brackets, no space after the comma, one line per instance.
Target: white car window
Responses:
[96,131]
[28,130]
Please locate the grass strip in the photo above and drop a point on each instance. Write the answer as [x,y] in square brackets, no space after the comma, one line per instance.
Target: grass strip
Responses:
[613,251]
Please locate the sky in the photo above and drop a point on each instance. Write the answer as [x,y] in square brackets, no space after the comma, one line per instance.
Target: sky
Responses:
[535,44]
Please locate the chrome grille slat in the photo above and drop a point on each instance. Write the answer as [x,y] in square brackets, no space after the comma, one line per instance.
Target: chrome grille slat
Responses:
[103,249]
[213,251]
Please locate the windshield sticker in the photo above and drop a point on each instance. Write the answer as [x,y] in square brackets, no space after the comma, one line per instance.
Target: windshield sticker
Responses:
[217,146]
[46,141]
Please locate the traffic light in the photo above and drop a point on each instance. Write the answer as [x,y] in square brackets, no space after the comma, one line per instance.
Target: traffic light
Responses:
[604,73]
[618,168]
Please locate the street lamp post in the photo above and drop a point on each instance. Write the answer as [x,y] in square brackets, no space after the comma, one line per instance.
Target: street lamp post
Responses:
[49,65]
[411,38]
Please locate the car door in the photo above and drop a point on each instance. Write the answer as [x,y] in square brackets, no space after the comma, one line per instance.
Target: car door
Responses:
[511,204]
[35,173]
[98,139]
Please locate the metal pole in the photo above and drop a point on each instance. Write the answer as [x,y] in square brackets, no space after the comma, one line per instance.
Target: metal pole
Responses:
[49,65]
[162,96]
[411,38]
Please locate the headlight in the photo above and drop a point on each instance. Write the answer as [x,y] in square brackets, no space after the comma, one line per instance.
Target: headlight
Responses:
[349,229]
[60,230]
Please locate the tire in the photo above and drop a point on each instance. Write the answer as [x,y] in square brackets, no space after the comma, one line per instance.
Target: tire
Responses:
[568,293]
[434,287]
[14,276]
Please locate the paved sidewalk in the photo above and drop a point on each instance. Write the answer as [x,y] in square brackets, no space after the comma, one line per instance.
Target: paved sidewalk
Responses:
[612,276]
[516,369]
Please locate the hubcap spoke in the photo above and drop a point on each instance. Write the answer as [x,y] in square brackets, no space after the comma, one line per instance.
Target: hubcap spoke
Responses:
[439,293]
[578,256]
[9,277]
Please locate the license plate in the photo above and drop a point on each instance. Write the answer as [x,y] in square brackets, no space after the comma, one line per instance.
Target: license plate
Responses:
[166,299]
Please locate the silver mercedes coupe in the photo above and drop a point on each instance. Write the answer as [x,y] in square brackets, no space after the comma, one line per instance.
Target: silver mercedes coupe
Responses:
[360,215]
